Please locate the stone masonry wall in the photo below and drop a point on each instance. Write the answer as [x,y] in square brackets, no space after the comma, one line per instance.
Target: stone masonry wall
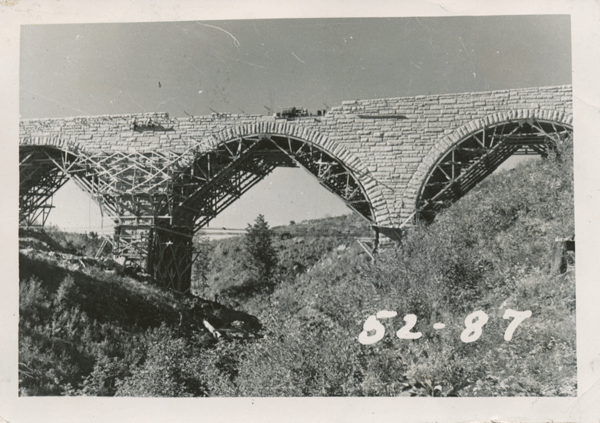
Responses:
[390,154]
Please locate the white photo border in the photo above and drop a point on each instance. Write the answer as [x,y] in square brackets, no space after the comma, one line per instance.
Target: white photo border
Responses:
[585,30]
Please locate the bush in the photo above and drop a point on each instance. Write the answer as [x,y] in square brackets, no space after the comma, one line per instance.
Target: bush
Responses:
[167,371]
[67,295]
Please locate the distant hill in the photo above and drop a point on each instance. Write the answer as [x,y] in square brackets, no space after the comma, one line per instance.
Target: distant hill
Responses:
[299,247]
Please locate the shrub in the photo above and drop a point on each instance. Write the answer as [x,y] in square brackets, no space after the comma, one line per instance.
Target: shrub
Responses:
[167,370]
[67,294]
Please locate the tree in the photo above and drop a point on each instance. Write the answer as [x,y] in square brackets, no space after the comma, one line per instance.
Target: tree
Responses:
[260,257]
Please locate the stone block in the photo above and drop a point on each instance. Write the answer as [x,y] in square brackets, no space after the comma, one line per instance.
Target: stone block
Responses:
[381,148]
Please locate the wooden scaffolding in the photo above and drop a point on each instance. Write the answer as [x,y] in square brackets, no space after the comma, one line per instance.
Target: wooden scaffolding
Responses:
[471,160]
[159,199]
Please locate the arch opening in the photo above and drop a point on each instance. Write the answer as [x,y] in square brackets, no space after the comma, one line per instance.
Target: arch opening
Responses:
[42,171]
[219,177]
[476,156]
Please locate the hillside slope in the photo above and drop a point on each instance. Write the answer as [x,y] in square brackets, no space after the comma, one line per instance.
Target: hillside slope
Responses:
[482,269]
[84,325]
[489,253]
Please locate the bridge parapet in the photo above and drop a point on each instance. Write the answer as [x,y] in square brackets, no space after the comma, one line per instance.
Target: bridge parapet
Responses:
[427,117]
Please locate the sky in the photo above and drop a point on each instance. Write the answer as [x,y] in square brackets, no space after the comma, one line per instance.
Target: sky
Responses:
[261,66]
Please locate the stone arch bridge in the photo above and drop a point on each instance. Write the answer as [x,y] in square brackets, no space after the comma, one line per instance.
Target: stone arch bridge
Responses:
[391,160]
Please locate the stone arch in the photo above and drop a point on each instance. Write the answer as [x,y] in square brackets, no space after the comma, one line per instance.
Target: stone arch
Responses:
[415,187]
[285,129]
[49,141]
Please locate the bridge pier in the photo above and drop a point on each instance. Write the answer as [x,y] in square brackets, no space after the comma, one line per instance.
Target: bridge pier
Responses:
[163,251]
[170,257]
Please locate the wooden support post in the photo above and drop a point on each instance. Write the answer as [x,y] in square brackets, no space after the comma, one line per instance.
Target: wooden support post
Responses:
[150,255]
[559,262]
